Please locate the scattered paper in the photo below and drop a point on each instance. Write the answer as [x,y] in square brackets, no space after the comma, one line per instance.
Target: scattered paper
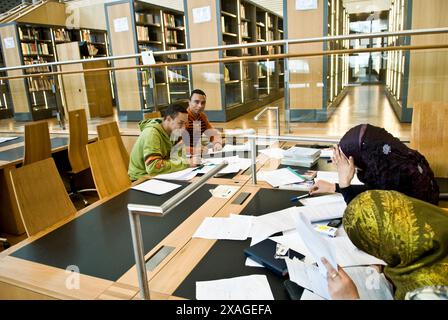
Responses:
[293,241]
[4,139]
[276,153]
[252,263]
[157,187]
[320,200]
[224,192]
[236,227]
[322,212]
[308,276]
[308,295]
[326,153]
[347,254]
[332,176]
[254,287]
[371,284]
[183,175]
[279,177]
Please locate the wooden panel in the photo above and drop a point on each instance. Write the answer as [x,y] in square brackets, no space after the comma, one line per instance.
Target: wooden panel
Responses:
[50,13]
[123,43]
[11,292]
[110,129]
[10,220]
[74,84]
[206,77]
[77,153]
[108,170]
[41,195]
[37,142]
[306,91]
[428,70]
[17,87]
[99,93]
[429,135]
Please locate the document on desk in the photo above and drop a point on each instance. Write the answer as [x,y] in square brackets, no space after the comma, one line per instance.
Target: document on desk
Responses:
[316,244]
[268,224]
[182,175]
[4,139]
[371,284]
[157,187]
[326,153]
[321,200]
[332,176]
[308,295]
[308,276]
[224,192]
[293,241]
[236,147]
[235,227]
[254,287]
[235,163]
[280,177]
[276,153]
[325,211]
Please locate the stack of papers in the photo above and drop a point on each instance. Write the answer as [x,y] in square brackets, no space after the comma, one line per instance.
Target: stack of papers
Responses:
[280,177]
[182,175]
[155,186]
[300,156]
[236,227]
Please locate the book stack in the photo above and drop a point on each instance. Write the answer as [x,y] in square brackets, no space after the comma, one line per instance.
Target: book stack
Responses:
[302,157]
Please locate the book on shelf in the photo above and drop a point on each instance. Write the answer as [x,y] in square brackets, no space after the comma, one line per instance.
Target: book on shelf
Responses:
[170,20]
[244,29]
[171,36]
[36,69]
[147,18]
[226,74]
[172,56]
[33,48]
[244,50]
[39,84]
[142,33]
[61,35]
[176,75]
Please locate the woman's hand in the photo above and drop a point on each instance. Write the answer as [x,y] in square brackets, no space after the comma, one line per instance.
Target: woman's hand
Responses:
[345,167]
[340,285]
[322,186]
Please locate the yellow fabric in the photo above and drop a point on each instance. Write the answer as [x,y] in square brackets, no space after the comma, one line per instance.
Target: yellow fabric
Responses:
[410,235]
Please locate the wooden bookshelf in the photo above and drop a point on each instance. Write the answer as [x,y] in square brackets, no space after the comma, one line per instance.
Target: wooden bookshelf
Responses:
[241,86]
[316,84]
[148,28]
[5,96]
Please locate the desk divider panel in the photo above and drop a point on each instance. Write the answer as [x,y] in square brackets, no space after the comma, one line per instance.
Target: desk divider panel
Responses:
[17,153]
[99,242]
[226,258]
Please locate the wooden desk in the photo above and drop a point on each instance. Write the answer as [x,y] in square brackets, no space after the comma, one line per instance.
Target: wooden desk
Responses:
[98,242]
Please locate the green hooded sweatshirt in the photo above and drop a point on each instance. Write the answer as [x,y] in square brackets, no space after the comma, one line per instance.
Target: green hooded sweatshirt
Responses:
[154,142]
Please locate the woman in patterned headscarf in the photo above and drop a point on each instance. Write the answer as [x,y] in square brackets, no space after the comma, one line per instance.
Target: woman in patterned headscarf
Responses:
[383,162]
[410,235]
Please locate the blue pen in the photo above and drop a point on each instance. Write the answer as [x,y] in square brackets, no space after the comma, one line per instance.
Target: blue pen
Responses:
[300,197]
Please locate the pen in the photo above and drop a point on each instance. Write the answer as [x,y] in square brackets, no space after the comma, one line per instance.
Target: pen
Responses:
[199,168]
[300,197]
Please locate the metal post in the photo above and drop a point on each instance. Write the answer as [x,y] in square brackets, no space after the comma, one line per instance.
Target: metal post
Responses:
[137,244]
[277,112]
[253,157]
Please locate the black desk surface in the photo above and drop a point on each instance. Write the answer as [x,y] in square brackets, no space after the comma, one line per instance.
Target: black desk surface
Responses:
[17,153]
[13,141]
[99,242]
[226,258]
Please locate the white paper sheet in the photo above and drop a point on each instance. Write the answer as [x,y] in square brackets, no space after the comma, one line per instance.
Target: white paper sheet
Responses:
[308,276]
[235,227]
[293,241]
[252,263]
[201,14]
[326,211]
[332,176]
[316,245]
[347,254]
[308,295]
[182,175]
[224,192]
[276,153]
[254,287]
[4,139]
[326,153]
[280,177]
[155,186]
[320,200]
[371,284]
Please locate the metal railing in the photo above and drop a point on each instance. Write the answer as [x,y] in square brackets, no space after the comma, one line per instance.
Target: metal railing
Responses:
[137,210]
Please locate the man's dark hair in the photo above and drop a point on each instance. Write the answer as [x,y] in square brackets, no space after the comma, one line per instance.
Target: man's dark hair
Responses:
[173,109]
[197,91]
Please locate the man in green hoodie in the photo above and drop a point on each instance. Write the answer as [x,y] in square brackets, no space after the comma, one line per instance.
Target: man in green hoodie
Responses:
[154,152]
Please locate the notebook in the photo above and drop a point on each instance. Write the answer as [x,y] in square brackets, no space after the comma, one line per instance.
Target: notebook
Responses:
[264,253]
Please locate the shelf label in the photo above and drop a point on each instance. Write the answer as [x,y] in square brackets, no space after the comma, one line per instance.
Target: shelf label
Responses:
[148,57]
[201,14]
[302,5]
[9,43]
[121,24]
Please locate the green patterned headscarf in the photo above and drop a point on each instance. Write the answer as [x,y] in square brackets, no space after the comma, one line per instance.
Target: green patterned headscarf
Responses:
[410,235]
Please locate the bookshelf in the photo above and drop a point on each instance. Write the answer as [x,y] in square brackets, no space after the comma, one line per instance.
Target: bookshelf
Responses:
[238,87]
[315,85]
[5,97]
[148,28]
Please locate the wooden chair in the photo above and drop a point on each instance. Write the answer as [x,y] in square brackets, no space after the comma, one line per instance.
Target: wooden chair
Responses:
[108,170]
[429,134]
[152,115]
[77,153]
[41,196]
[37,142]
[110,129]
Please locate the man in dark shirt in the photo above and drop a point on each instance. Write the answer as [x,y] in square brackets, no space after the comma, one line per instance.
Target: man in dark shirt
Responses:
[198,125]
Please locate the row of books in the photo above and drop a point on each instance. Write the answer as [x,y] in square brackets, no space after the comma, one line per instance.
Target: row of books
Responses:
[36,69]
[147,18]
[39,84]
[172,56]
[61,35]
[270,36]
[242,11]
[260,33]
[87,35]
[244,29]
[33,48]
[27,34]
[170,21]
[171,36]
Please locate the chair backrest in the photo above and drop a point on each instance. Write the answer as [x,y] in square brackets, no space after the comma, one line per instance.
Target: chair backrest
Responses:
[110,129]
[108,171]
[37,142]
[152,115]
[429,134]
[41,196]
[77,154]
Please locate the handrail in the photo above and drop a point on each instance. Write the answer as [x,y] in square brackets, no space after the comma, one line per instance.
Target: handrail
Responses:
[225,60]
[247,45]
[136,210]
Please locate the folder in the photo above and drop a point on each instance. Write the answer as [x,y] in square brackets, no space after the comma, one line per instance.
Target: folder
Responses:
[264,253]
